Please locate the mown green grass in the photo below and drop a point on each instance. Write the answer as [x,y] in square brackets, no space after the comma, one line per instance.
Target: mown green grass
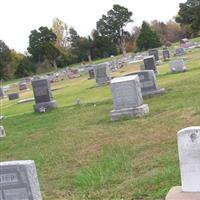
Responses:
[80,154]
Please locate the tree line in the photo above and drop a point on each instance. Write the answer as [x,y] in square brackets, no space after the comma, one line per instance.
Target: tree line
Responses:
[61,45]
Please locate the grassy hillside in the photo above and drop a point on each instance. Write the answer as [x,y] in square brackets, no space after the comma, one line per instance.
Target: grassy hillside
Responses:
[80,154]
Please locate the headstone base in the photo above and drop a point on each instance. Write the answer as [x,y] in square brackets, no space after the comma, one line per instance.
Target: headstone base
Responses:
[176,194]
[154,92]
[129,112]
[43,107]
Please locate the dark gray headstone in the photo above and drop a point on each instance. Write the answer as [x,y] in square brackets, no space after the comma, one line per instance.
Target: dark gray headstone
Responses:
[18,181]
[155,53]
[127,98]
[148,82]
[150,64]
[13,96]
[43,95]
[166,54]
[102,74]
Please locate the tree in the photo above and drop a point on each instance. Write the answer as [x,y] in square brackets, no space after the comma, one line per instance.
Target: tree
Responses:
[189,16]
[42,46]
[112,25]
[61,30]
[147,38]
[5,59]
[25,68]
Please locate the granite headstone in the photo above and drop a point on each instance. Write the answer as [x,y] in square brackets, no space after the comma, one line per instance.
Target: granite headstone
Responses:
[150,64]
[148,83]
[166,54]
[43,95]
[177,66]
[179,51]
[155,53]
[13,96]
[102,74]
[18,181]
[127,98]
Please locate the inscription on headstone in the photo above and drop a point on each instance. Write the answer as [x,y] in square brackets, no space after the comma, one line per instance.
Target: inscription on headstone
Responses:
[18,181]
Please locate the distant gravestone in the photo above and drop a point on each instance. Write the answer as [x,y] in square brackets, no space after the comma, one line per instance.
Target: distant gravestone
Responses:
[155,53]
[1,93]
[166,54]
[18,181]
[13,96]
[127,98]
[43,95]
[189,159]
[179,51]
[148,82]
[91,73]
[177,66]
[23,86]
[2,132]
[150,64]
[102,74]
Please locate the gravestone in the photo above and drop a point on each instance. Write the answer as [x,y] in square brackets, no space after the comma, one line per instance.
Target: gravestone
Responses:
[148,82]
[1,93]
[2,132]
[43,95]
[23,86]
[150,64]
[102,74]
[91,73]
[179,51]
[166,54]
[177,66]
[155,53]
[127,98]
[189,159]
[13,96]
[18,181]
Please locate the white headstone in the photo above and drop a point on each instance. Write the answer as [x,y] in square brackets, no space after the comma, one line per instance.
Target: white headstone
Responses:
[189,157]
[18,181]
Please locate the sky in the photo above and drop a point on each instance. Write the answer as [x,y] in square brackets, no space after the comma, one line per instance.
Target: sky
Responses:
[19,17]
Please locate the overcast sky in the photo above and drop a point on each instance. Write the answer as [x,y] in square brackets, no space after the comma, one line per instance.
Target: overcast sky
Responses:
[19,17]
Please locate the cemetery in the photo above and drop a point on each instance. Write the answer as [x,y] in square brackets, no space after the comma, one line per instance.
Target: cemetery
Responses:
[80,152]
[105,114]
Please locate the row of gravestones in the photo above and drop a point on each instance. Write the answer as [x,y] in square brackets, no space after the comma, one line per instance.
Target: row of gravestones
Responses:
[19,181]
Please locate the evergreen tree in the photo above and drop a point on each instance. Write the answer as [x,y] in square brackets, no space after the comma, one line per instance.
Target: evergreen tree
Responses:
[147,38]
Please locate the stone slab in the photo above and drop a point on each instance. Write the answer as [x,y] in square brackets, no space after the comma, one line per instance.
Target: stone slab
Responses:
[13,96]
[176,194]
[150,64]
[18,181]
[129,112]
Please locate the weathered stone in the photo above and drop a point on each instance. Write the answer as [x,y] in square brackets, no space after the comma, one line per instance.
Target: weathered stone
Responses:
[148,83]
[91,73]
[18,181]
[180,51]
[166,54]
[127,98]
[43,96]
[1,93]
[102,74]
[177,66]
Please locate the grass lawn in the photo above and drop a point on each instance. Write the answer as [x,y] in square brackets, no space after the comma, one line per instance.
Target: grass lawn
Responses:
[80,154]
